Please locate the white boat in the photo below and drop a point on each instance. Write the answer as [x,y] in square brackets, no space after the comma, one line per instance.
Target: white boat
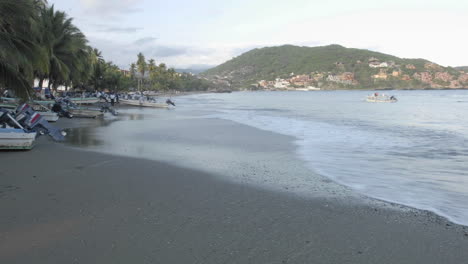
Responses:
[381,99]
[42,110]
[49,116]
[143,103]
[78,100]
[12,138]
[86,100]
[87,113]
[45,112]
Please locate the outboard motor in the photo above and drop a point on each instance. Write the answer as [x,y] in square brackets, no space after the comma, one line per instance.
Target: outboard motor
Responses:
[169,102]
[32,120]
[7,119]
[106,108]
[57,108]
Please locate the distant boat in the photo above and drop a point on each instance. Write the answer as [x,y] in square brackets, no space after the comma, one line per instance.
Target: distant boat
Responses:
[12,138]
[220,91]
[143,103]
[377,98]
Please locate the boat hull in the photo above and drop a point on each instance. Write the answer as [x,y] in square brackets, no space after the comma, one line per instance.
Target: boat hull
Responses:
[11,138]
[49,116]
[143,104]
[73,100]
[380,101]
[85,113]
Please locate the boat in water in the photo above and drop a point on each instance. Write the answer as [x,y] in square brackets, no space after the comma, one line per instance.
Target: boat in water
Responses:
[381,98]
[67,107]
[144,103]
[85,113]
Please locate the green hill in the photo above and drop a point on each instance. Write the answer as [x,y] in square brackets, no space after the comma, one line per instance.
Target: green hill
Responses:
[280,62]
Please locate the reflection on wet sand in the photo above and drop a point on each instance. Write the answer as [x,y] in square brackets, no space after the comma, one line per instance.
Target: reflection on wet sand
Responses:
[88,135]
[83,137]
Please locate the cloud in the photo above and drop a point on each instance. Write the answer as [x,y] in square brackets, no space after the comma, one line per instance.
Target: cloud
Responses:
[144,41]
[121,29]
[168,51]
[111,6]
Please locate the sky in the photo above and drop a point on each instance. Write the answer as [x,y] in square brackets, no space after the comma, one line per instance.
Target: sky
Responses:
[201,33]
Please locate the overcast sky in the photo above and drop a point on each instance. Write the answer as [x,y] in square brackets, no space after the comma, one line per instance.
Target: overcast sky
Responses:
[185,33]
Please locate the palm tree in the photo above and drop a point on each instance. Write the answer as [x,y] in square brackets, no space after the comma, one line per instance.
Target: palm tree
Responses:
[151,65]
[132,70]
[18,48]
[142,67]
[97,67]
[66,47]
[152,70]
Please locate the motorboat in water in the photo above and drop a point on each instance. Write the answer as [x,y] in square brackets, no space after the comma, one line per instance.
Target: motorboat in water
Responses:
[143,103]
[381,98]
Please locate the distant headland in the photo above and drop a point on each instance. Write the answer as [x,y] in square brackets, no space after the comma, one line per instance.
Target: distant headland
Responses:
[291,67]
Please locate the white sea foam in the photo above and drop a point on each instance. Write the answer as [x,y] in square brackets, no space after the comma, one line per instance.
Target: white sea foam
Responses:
[413,162]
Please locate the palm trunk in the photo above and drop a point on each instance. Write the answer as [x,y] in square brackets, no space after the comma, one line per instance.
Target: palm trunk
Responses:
[41,82]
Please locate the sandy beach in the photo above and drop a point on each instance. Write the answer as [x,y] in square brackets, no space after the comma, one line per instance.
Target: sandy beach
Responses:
[60,204]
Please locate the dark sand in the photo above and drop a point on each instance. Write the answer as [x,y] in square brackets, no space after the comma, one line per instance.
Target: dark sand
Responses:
[62,205]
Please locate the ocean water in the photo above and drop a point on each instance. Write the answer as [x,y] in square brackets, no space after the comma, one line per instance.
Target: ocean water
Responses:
[413,152]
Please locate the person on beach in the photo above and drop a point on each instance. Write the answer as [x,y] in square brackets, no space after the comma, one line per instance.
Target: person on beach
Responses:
[112,98]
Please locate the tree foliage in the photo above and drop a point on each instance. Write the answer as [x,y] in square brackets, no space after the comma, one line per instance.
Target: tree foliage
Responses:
[18,44]
[159,77]
[39,42]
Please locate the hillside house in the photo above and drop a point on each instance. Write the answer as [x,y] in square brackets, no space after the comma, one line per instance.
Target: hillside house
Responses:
[443,76]
[463,78]
[378,64]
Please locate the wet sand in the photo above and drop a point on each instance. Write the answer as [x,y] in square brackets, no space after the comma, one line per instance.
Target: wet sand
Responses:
[63,205]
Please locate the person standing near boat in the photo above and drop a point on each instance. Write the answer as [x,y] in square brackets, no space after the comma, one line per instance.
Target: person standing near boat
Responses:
[112,98]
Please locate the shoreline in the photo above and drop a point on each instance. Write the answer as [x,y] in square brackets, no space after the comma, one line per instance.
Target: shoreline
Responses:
[325,188]
[98,208]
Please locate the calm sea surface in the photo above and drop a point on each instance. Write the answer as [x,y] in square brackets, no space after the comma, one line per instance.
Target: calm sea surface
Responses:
[414,152]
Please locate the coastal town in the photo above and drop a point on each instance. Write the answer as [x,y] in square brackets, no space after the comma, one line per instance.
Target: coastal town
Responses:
[433,76]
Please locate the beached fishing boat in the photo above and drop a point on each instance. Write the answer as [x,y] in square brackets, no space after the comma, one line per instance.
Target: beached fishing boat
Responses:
[13,138]
[376,98]
[78,100]
[44,111]
[49,116]
[8,105]
[144,103]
